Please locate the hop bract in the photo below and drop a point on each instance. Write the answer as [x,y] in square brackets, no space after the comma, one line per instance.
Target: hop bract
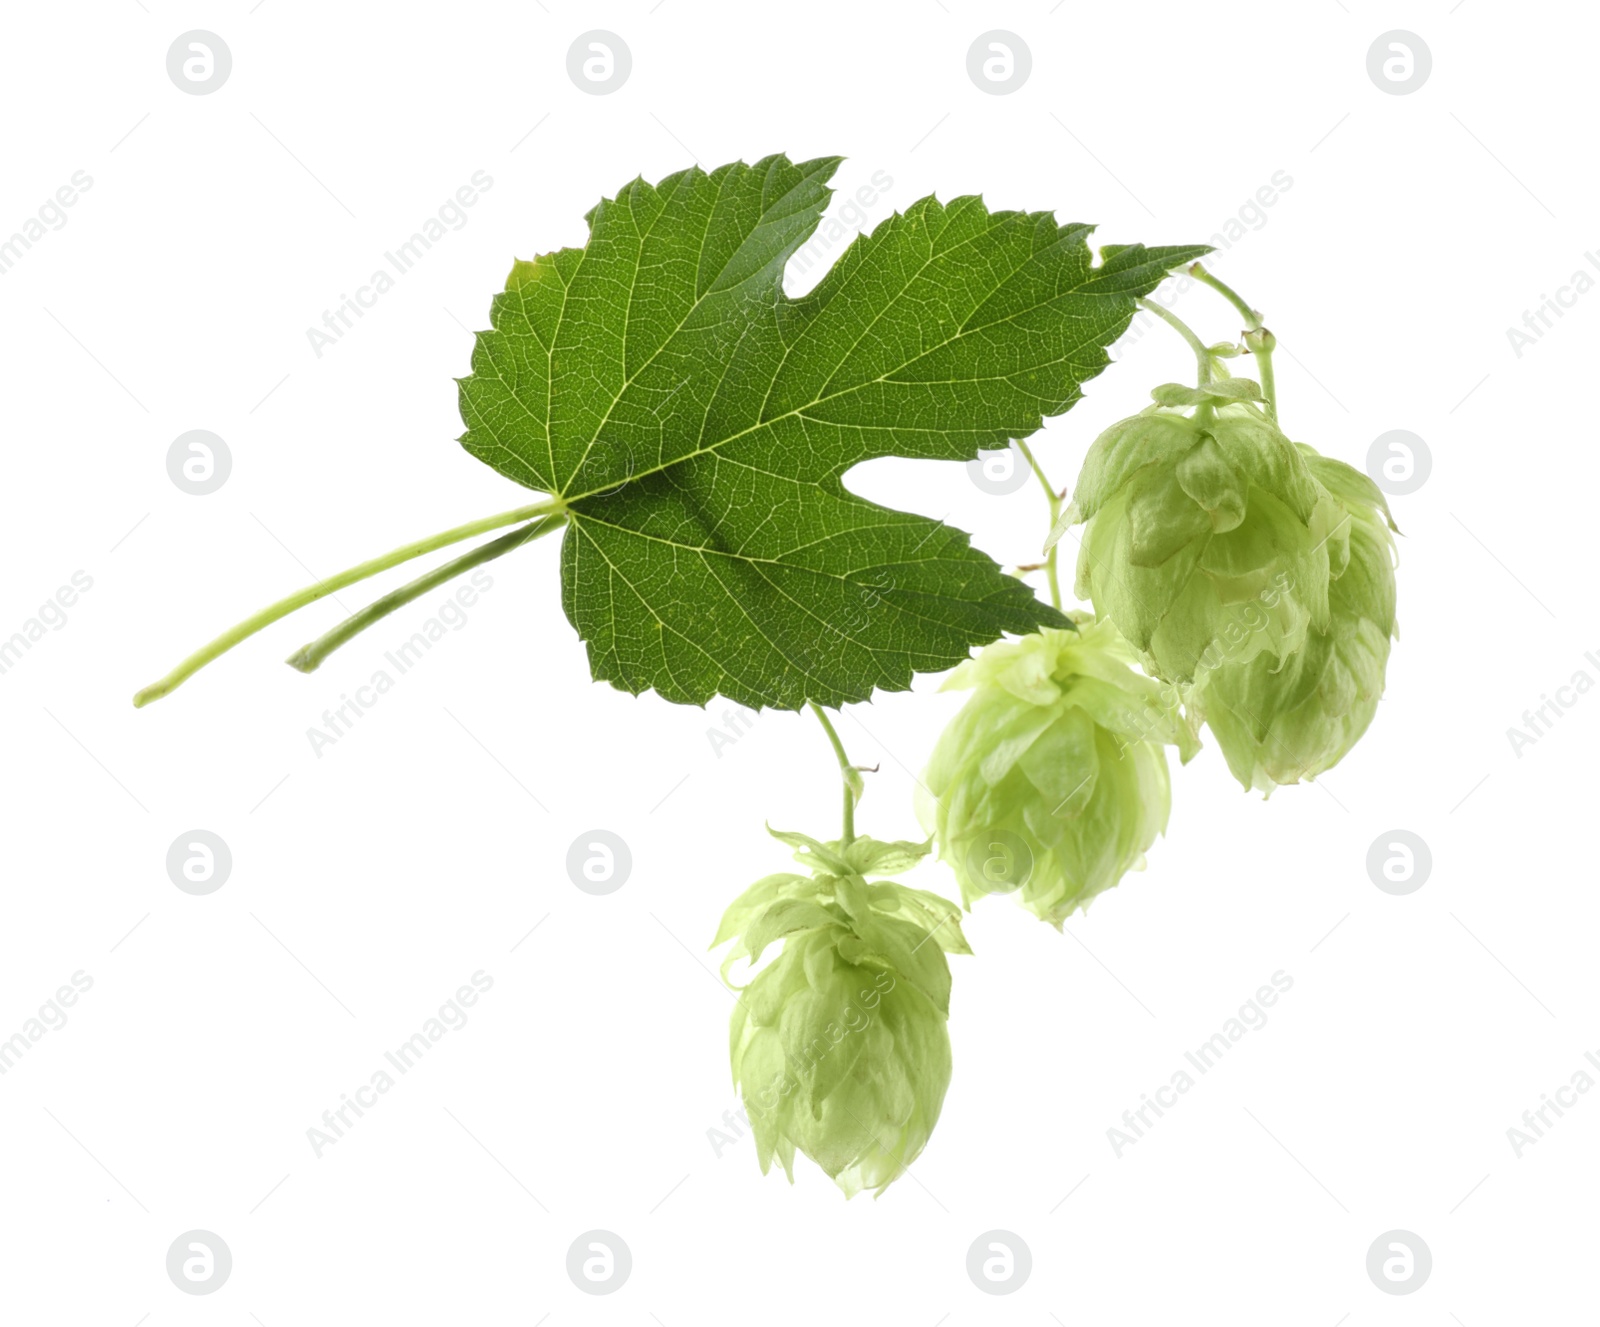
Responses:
[1280,722]
[1051,780]
[1208,540]
[839,1045]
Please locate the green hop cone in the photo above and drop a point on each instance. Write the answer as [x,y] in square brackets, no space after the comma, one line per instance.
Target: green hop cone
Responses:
[1208,541]
[1051,779]
[1280,722]
[839,1045]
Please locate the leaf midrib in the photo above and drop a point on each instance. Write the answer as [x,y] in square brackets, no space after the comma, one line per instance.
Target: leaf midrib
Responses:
[710,289]
[799,411]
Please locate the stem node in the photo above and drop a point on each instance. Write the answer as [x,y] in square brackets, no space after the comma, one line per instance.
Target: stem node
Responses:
[1262,344]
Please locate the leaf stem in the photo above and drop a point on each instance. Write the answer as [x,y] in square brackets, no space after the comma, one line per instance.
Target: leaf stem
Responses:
[308,658]
[1201,354]
[1054,499]
[311,593]
[844,773]
[1260,341]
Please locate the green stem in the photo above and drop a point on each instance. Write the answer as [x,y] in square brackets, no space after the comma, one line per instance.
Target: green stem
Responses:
[244,630]
[1199,272]
[1201,354]
[308,658]
[844,773]
[1054,499]
[1257,337]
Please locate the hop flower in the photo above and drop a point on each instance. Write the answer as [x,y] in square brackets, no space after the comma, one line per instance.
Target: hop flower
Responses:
[839,1044]
[1051,780]
[1280,722]
[1208,539]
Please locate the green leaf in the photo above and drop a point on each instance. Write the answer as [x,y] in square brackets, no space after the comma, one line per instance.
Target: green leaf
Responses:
[697,423]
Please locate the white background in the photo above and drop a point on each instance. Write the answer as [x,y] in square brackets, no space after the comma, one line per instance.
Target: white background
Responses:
[371,881]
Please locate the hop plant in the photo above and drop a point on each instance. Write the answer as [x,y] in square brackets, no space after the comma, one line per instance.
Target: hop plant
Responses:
[839,1045]
[1280,722]
[1052,780]
[1208,540]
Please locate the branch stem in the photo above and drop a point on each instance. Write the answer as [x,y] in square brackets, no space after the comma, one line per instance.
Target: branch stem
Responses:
[308,658]
[1257,337]
[311,593]
[1054,499]
[1201,354]
[844,772]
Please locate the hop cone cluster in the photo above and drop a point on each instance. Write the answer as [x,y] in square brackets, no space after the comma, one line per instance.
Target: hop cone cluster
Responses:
[1051,781]
[1209,540]
[1251,571]
[839,1045]
[1278,722]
